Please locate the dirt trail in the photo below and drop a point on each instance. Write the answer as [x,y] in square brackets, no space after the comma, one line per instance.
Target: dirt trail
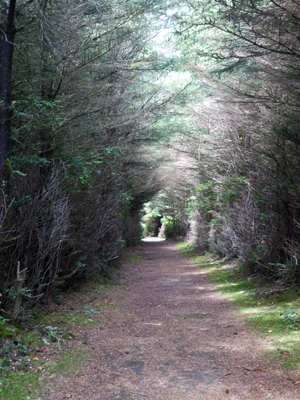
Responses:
[169,335]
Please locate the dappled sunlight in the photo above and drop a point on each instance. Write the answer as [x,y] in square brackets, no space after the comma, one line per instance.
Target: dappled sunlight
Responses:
[290,339]
[206,288]
[209,270]
[192,273]
[250,311]
[153,239]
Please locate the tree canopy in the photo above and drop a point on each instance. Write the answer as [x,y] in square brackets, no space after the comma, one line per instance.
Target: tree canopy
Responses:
[191,107]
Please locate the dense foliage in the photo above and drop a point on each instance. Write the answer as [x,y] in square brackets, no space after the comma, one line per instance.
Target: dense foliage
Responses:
[97,120]
[84,95]
[244,56]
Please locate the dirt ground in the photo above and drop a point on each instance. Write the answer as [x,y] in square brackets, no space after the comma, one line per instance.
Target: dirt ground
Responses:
[166,333]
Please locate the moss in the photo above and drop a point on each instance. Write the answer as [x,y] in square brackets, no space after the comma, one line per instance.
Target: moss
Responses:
[20,386]
[70,364]
[5,333]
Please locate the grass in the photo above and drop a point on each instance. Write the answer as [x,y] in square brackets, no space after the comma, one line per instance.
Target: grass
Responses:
[273,312]
[38,350]
[26,361]
[27,385]
[20,386]
[69,319]
[128,259]
[18,367]
[69,364]
[24,351]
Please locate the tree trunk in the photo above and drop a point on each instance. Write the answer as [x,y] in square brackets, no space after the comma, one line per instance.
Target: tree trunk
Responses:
[157,223]
[7,36]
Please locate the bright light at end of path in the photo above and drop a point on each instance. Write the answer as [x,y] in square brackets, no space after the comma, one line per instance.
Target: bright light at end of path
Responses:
[153,239]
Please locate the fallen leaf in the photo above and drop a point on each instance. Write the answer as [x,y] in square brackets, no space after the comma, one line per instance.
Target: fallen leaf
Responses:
[270,331]
[296,383]
[35,359]
[257,369]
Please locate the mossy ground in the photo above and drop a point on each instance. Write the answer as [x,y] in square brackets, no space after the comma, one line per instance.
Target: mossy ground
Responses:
[20,386]
[130,259]
[270,309]
[38,351]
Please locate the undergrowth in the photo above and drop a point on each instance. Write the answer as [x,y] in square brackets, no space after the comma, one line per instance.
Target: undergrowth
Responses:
[25,355]
[34,350]
[271,309]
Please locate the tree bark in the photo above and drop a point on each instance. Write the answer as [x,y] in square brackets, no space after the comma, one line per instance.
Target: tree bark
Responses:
[7,36]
